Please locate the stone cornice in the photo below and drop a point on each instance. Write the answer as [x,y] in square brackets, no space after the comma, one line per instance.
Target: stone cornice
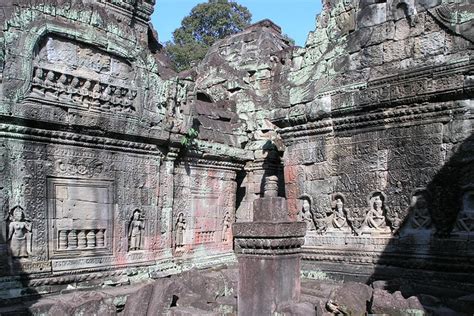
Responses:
[418,114]
[206,149]
[356,106]
[74,139]
[205,162]
[412,261]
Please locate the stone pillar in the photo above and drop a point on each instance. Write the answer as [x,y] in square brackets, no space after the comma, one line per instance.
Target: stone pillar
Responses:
[268,252]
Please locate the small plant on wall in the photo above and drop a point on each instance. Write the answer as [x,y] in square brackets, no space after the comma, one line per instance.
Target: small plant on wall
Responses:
[188,139]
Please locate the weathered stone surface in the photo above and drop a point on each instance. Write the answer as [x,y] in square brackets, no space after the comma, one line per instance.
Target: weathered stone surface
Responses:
[350,299]
[138,303]
[90,303]
[270,209]
[267,281]
[394,304]
[113,168]
[206,291]
[296,309]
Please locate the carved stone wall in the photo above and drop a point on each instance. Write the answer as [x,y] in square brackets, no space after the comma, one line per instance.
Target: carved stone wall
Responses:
[369,125]
[378,135]
[80,203]
[91,124]
[206,197]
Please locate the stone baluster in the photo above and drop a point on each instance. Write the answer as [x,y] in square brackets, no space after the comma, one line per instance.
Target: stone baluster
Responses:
[81,239]
[90,239]
[100,238]
[63,239]
[72,239]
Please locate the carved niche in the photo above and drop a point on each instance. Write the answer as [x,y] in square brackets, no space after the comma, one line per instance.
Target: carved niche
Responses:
[136,231]
[305,214]
[80,214]
[19,233]
[376,216]
[465,220]
[82,76]
[420,218]
[338,217]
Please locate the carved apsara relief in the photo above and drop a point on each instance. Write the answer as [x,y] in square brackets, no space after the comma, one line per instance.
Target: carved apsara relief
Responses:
[208,197]
[420,218]
[136,231]
[226,223]
[179,231]
[19,233]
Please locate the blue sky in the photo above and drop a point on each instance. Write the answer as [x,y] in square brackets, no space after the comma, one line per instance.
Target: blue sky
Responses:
[295,17]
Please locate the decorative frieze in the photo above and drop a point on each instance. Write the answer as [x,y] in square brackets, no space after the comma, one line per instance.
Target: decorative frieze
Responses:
[87,94]
[68,138]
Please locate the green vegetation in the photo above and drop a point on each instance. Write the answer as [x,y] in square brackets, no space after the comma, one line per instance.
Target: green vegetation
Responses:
[207,23]
[188,139]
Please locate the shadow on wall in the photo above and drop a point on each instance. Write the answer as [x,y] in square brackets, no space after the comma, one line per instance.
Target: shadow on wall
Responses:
[432,249]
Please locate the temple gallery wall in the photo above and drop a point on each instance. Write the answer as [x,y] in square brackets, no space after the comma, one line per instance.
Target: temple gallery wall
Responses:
[368,129]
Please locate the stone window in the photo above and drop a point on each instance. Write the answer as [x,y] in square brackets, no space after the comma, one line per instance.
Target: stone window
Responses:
[80,216]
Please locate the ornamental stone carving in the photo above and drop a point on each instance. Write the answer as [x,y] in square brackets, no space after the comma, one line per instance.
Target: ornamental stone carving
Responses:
[305,214]
[136,230]
[226,228]
[82,92]
[180,228]
[339,212]
[75,74]
[375,218]
[419,213]
[19,233]
[80,217]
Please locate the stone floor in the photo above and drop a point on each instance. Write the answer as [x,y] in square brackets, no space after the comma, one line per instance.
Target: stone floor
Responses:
[214,292]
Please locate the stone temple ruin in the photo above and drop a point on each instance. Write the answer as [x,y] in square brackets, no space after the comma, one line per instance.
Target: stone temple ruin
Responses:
[110,204]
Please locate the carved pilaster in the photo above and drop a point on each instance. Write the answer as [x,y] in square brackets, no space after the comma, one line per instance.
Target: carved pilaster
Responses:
[167,196]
